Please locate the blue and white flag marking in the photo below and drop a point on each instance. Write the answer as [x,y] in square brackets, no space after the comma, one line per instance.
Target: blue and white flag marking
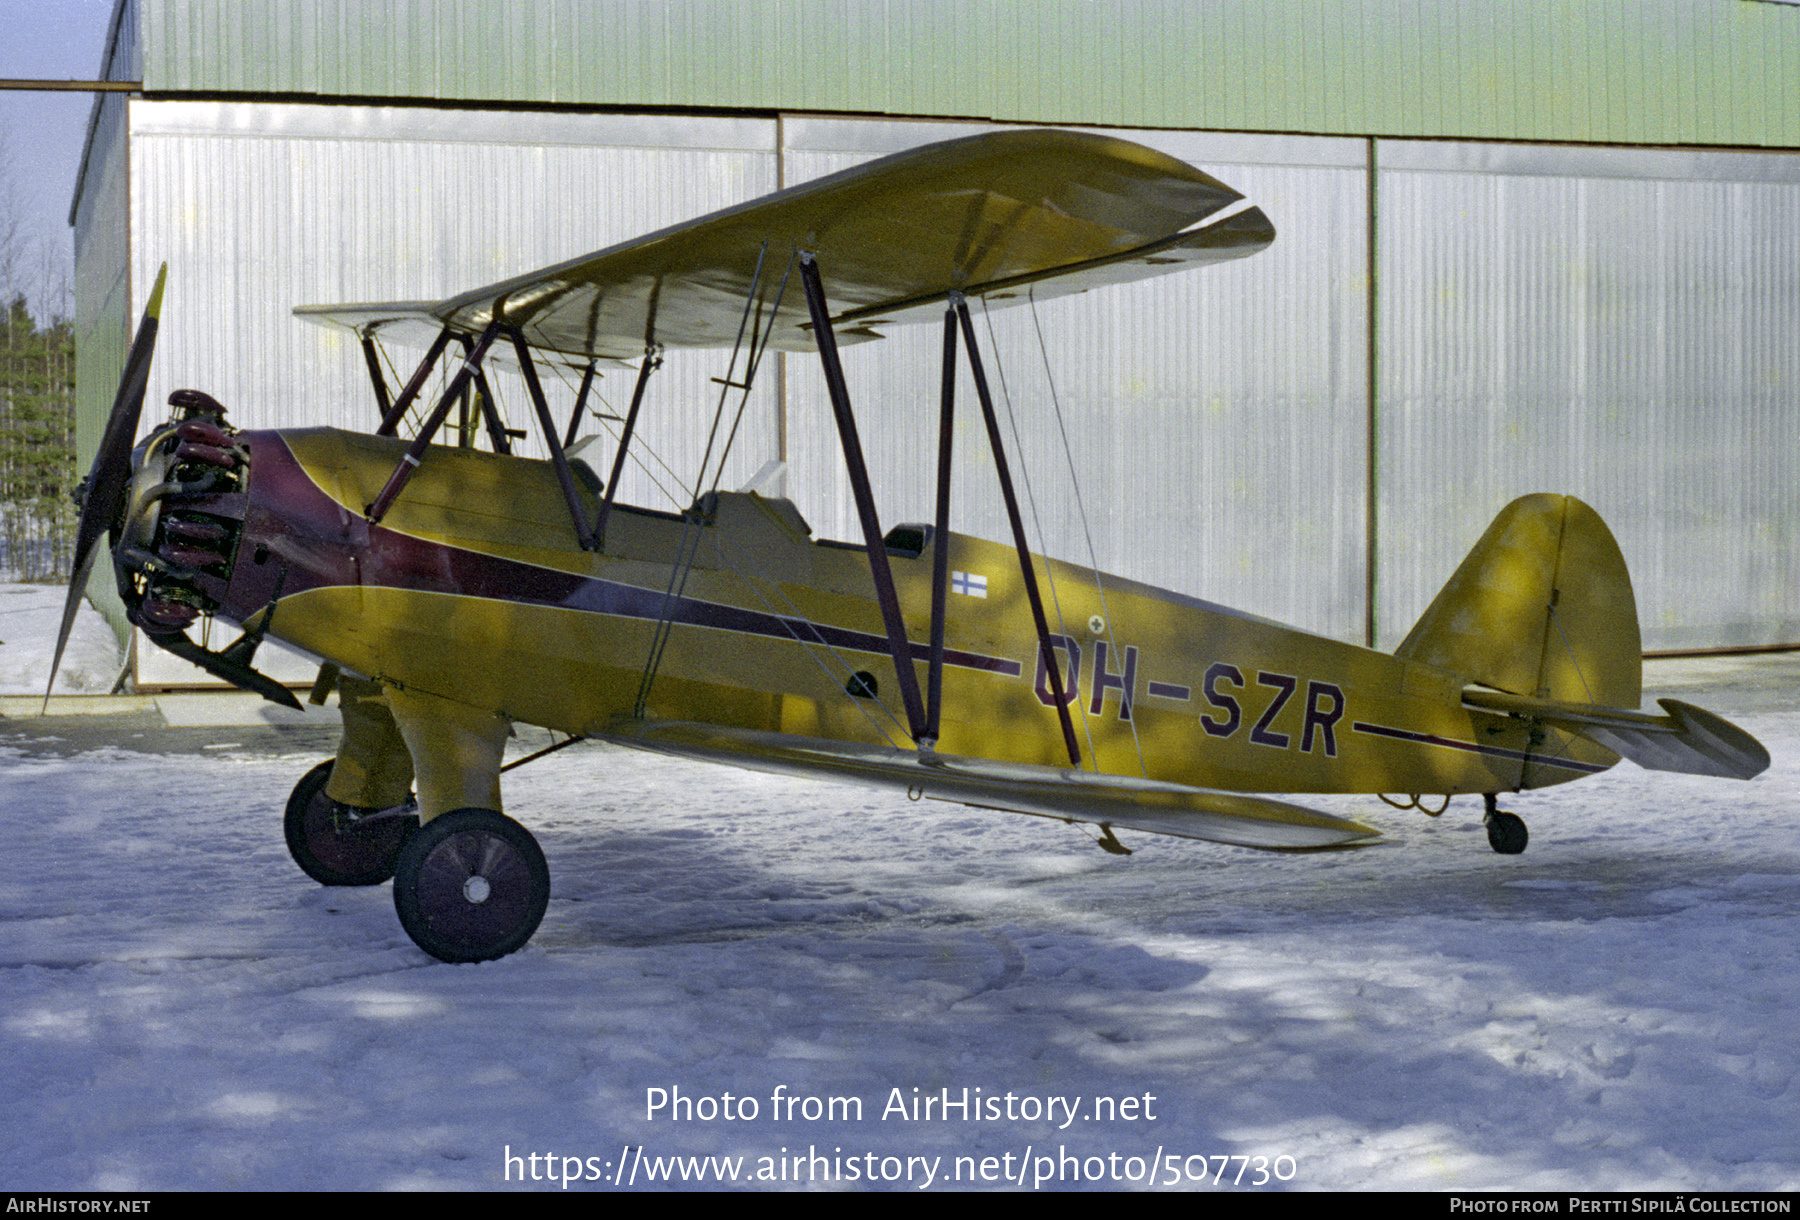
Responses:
[970,584]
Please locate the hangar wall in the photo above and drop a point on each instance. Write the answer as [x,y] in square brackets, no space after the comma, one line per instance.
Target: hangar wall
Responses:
[1723,72]
[258,208]
[100,216]
[1212,421]
[1616,324]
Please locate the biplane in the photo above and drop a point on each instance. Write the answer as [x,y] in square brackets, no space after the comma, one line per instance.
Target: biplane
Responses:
[451,591]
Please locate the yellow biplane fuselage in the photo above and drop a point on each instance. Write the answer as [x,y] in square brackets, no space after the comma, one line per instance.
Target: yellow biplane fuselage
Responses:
[474,590]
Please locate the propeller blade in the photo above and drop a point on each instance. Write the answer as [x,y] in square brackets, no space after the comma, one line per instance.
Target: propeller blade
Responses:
[111,471]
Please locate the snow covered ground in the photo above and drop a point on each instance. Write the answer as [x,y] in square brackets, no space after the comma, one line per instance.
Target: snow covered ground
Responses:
[29,618]
[182,1009]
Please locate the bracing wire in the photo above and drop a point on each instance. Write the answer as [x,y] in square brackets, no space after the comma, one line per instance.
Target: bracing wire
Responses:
[607,424]
[1037,524]
[688,549]
[755,362]
[685,555]
[726,384]
[563,372]
[412,419]
[417,413]
[1086,526]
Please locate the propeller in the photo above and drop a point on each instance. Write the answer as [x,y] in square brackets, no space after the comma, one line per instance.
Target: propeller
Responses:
[102,493]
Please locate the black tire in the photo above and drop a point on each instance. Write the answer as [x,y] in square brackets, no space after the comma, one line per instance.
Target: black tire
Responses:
[1506,833]
[334,853]
[471,886]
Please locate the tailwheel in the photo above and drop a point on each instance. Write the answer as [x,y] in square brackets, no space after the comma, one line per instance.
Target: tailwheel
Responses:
[1506,831]
[471,886]
[341,845]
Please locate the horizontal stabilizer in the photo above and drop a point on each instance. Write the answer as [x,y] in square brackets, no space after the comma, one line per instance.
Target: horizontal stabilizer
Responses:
[1074,796]
[1688,739]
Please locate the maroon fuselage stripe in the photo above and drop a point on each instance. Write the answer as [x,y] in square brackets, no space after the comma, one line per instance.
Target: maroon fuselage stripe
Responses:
[1450,743]
[321,544]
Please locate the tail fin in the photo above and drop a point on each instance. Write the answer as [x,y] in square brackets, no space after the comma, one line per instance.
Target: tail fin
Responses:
[1542,610]
[1541,607]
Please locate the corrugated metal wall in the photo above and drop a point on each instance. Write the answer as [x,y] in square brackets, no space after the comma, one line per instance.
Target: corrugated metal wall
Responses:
[1208,415]
[260,208]
[1723,72]
[102,236]
[102,295]
[100,216]
[1618,324]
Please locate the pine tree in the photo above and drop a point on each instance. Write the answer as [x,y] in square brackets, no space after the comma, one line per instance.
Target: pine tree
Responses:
[37,445]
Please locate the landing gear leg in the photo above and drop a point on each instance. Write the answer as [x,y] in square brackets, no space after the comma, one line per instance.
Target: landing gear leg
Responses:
[349,815]
[1506,831]
[373,768]
[472,884]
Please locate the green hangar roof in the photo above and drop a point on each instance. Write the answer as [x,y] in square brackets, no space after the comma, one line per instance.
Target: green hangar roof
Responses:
[1712,72]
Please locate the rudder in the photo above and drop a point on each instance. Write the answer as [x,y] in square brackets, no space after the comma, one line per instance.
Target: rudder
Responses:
[1541,606]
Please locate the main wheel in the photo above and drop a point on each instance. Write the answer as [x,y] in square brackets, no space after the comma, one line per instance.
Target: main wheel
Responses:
[331,845]
[471,886]
[1506,833]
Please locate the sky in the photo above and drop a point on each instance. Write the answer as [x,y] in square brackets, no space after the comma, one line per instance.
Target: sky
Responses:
[43,132]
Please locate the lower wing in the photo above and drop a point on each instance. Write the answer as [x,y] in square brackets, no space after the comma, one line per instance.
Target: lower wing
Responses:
[1073,796]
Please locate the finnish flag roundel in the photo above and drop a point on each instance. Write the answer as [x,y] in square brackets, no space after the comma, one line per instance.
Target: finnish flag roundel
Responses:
[970,584]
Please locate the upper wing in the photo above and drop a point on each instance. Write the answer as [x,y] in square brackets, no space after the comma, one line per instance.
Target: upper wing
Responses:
[1074,796]
[1688,739]
[988,215]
